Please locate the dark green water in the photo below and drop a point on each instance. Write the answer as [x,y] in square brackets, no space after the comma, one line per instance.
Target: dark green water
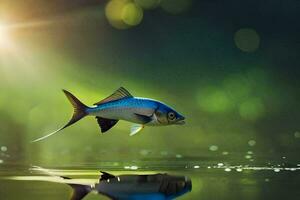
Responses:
[210,179]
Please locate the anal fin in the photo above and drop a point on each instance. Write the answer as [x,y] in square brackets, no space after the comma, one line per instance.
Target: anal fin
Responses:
[135,128]
[106,124]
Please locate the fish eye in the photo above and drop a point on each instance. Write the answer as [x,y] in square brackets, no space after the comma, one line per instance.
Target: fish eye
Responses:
[171,115]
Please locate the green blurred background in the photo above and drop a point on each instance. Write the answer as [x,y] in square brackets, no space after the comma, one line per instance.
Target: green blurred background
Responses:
[232,68]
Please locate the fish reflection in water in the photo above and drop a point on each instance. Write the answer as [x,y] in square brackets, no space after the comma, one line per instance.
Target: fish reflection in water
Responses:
[136,187]
[121,187]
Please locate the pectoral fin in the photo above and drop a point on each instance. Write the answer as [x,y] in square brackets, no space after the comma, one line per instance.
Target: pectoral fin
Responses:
[143,118]
[106,124]
[135,128]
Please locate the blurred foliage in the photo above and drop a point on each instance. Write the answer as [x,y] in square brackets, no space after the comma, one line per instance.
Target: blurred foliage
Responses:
[222,77]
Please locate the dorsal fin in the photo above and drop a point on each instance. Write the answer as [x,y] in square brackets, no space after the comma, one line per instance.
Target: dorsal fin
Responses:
[118,94]
[105,176]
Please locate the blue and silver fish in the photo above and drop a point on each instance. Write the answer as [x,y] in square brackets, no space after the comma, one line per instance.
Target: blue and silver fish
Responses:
[160,186]
[121,105]
[136,187]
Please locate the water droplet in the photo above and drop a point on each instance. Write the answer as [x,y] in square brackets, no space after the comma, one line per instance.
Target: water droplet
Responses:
[208,167]
[3,148]
[126,167]
[283,157]
[267,180]
[1,161]
[220,164]
[276,170]
[225,153]
[134,167]
[213,148]
[248,156]
[227,169]
[164,153]
[196,167]
[251,143]
[250,152]
[297,134]
[178,156]
[239,169]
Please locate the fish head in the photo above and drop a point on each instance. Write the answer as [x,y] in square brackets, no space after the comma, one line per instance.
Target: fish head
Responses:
[166,115]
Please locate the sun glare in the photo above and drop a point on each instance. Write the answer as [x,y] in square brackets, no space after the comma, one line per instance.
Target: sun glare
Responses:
[4,37]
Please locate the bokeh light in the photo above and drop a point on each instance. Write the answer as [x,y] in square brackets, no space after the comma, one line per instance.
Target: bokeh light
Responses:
[225,153]
[213,148]
[147,4]
[178,156]
[4,36]
[3,148]
[239,169]
[132,14]
[247,39]
[175,6]
[251,143]
[276,170]
[113,12]
[238,87]
[252,109]
[214,100]
[227,169]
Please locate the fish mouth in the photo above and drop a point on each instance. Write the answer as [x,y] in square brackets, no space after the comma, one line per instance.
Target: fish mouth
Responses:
[181,121]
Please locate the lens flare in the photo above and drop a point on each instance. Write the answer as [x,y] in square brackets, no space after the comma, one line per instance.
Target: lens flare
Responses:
[4,37]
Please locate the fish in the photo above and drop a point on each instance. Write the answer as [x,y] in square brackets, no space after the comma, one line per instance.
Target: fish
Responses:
[121,105]
[159,186]
[136,187]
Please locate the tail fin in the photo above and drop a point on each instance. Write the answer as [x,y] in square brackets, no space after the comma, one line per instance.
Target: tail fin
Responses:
[79,191]
[79,113]
[79,108]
